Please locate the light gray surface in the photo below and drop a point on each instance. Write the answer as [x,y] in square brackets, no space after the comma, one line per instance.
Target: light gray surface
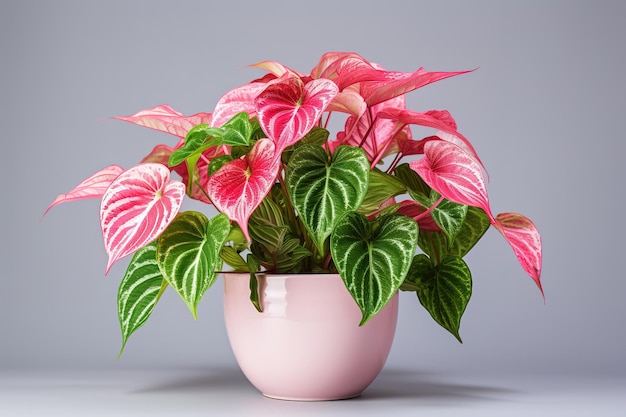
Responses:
[545,111]
[224,392]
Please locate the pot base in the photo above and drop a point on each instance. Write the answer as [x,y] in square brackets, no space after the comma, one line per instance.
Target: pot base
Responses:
[307,344]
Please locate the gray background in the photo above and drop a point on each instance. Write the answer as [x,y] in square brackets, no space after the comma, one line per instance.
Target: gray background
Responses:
[545,112]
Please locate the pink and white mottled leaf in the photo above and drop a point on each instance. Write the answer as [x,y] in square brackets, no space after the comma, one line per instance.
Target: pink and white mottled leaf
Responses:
[239,186]
[92,187]
[165,119]
[348,101]
[137,207]
[237,100]
[375,84]
[288,110]
[160,154]
[392,84]
[276,68]
[453,173]
[524,238]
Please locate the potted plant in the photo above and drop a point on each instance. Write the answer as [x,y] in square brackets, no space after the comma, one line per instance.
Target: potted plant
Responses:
[371,205]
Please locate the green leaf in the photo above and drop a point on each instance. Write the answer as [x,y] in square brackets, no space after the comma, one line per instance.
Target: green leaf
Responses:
[445,292]
[413,182]
[237,131]
[233,259]
[474,227]
[448,215]
[436,245]
[139,291]
[421,270]
[195,143]
[254,267]
[316,136]
[188,254]
[381,188]
[324,188]
[218,162]
[373,258]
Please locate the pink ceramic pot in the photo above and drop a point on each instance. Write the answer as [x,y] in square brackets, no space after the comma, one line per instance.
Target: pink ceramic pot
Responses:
[307,344]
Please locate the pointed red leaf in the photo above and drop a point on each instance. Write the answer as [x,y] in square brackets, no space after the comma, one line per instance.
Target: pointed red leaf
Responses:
[375,83]
[137,207]
[524,238]
[391,83]
[289,109]
[165,119]
[453,173]
[238,187]
[92,187]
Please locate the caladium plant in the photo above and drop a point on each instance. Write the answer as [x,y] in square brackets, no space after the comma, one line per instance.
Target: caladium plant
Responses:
[385,210]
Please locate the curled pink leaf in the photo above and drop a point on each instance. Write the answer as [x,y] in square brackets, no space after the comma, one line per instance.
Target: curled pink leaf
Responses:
[453,173]
[237,100]
[165,119]
[137,207]
[92,187]
[238,187]
[524,238]
[288,110]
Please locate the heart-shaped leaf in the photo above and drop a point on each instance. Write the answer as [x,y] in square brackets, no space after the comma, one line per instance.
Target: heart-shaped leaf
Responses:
[165,119]
[92,187]
[139,291]
[188,254]
[373,258]
[323,189]
[436,244]
[239,186]
[288,110]
[444,290]
[135,209]
[453,173]
[524,238]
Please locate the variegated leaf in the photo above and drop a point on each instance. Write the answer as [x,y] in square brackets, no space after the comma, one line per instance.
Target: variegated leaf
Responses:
[138,205]
[239,186]
[165,119]
[373,258]
[453,173]
[444,290]
[525,241]
[92,187]
[323,189]
[288,110]
[237,100]
[188,254]
[139,291]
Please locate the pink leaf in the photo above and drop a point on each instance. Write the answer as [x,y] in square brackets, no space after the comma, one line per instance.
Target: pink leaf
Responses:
[165,119]
[377,140]
[392,84]
[238,187]
[524,238]
[160,154]
[137,207]
[289,109]
[453,173]
[277,69]
[375,84]
[92,187]
[237,100]
[437,119]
